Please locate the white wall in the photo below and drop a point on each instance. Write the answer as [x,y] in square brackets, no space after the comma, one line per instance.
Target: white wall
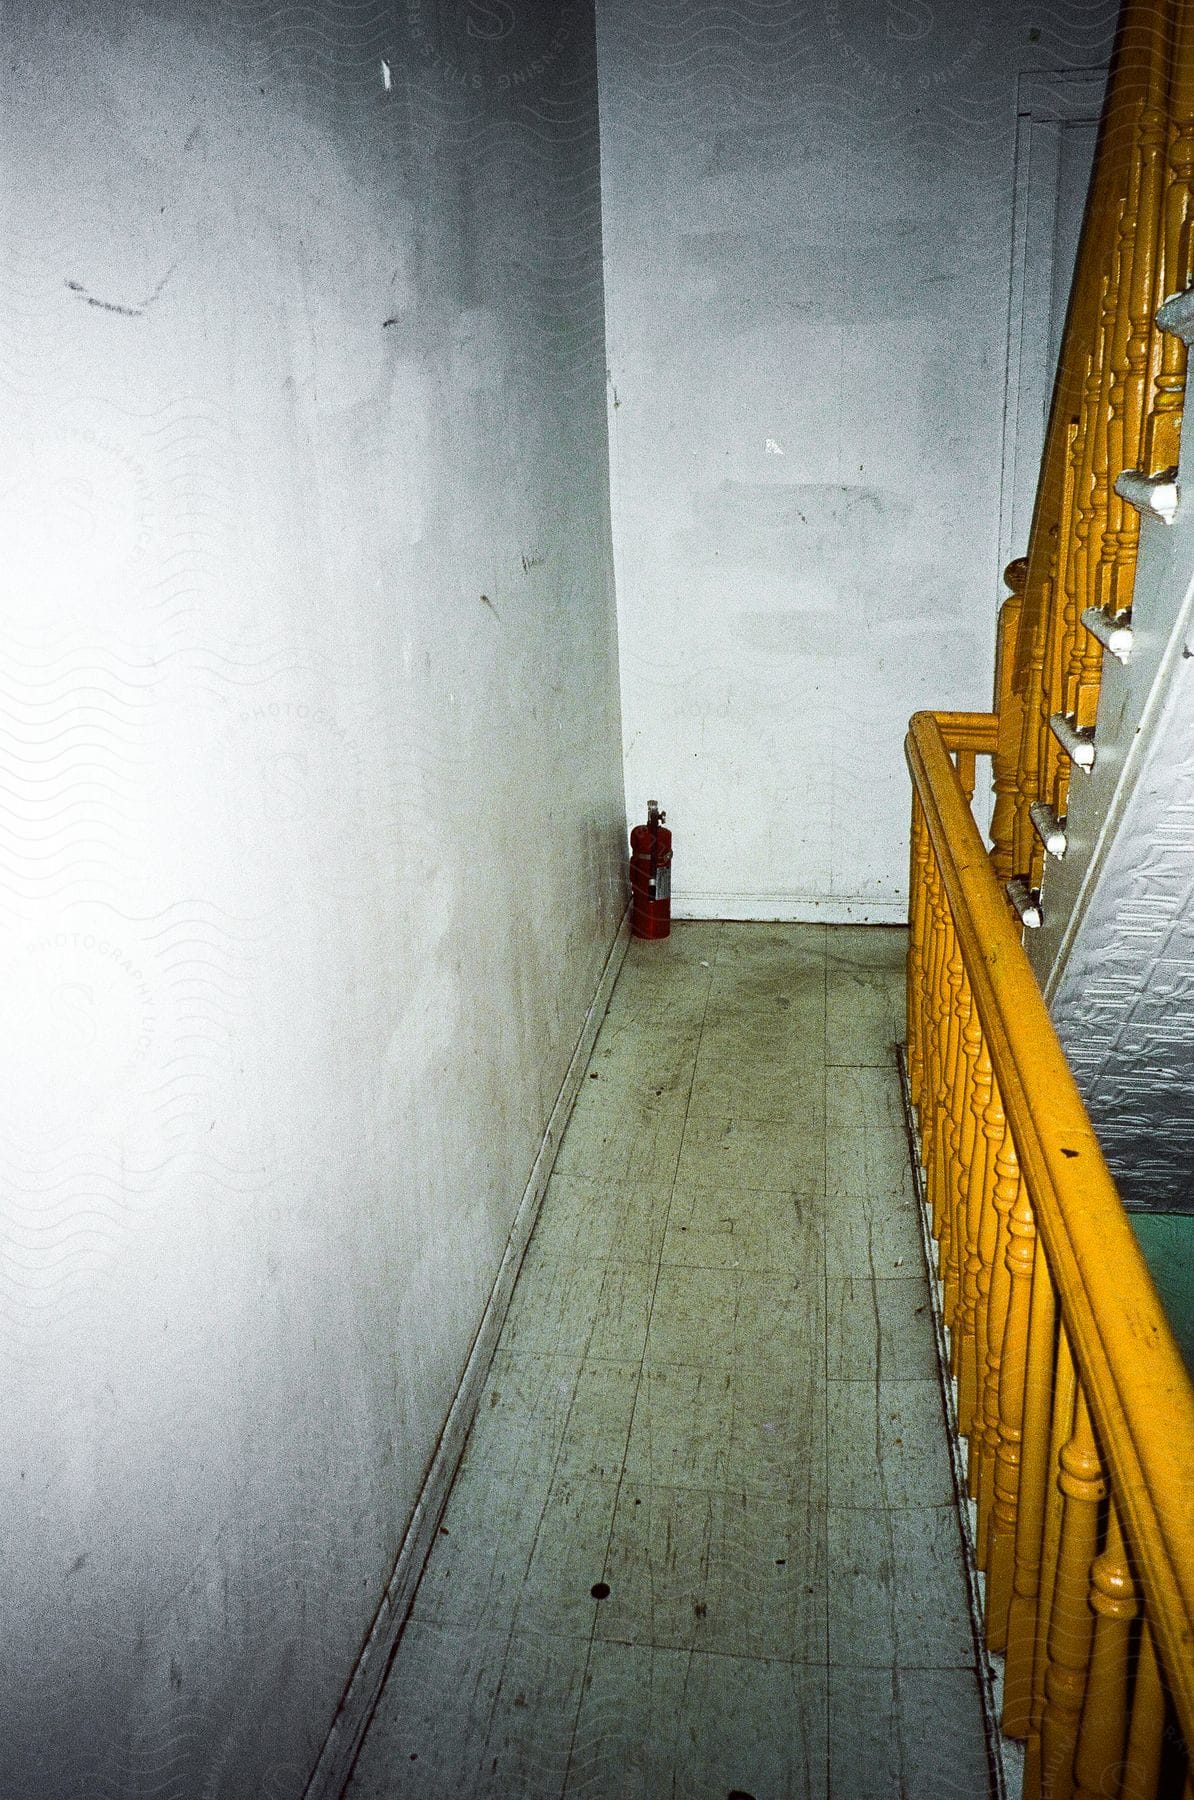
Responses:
[808,228]
[311,822]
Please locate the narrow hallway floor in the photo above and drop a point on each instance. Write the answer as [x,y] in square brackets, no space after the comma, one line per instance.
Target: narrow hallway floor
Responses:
[703,1540]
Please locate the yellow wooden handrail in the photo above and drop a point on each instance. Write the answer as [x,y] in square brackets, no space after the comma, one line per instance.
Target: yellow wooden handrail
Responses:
[1073,1395]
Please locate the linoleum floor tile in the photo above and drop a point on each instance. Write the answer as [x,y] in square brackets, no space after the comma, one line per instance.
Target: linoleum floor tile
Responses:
[598,1311]
[487,1715]
[511,1557]
[552,1415]
[710,1318]
[716,1569]
[868,946]
[784,1083]
[864,1013]
[781,1232]
[657,1722]
[887,1445]
[755,1430]
[897,1593]
[623,1135]
[649,1059]
[585,1218]
[691,940]
[751,1153]
[782,947]
[881,1330]
[912,1733]
[864,1116]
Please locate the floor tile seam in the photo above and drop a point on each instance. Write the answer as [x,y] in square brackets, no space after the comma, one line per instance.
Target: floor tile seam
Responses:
[903,1667]
[728,1490]
[733,1367]
[887,1381]
[778,1271]
[596,1258]
[736,1656]
[889,1507]
[658,1266]
[643,1362]
[744,1187]
[713,1368]
[867,1275]
[514,1633]
[778,1495]
[933,1506]
[638,1383]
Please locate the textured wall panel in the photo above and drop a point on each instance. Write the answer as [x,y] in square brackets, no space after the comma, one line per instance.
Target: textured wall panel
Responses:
[1116,954]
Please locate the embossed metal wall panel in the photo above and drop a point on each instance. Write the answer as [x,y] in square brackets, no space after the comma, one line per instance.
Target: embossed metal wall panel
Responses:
[1116,952]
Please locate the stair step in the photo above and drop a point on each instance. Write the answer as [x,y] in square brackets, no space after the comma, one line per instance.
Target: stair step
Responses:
[1176,316]
[1113,630]
[1048,827]
[1077,741]
[1156,494]
[1026,902]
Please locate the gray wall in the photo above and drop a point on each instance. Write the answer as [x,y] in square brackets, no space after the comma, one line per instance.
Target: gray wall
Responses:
[809,238]
[310,821]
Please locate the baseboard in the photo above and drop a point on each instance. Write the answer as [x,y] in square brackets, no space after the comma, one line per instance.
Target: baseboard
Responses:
[361,1695]
[789,909]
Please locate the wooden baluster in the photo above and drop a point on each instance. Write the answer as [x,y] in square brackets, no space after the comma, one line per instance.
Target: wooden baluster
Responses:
[917,885]
[1127,426]
[1059,1430]
[1098,1764]
[1152,274]
[1032,1499]
[942,1188]
[1011,724]
[1032,638]
[1142,1760]
[1094,490]
[937,1036]
[1082,551]
[1132,236]
[1072,532]
[1055,786]
[934,1034]
[1011,1373]
[992,1298]
[931,1000]
[1165,418]
[951,1134]
[973,1197]
[965,761]
[1071,1622]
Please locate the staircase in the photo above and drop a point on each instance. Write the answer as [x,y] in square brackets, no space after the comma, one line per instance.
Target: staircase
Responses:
[1095,833]
[1039,1124]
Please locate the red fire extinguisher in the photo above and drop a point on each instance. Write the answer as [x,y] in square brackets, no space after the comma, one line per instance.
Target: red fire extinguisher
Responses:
[651,876]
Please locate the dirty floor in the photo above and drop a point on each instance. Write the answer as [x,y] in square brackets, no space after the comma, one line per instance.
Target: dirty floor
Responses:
[703,1541]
